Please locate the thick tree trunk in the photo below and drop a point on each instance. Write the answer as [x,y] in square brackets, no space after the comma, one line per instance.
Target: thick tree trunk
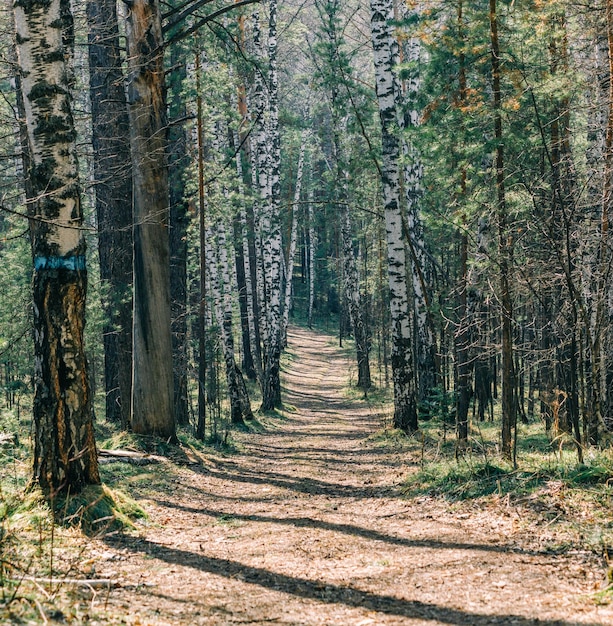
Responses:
[113,184]
[64,449]
[386,56]
[152,393]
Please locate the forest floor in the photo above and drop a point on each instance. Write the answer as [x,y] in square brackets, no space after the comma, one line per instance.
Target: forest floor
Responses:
[306,523]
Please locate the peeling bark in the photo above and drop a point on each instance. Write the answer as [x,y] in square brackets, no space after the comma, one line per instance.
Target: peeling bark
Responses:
[152,391]
[64,449]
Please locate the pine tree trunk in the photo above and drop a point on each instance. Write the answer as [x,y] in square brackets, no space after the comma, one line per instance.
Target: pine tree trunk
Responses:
[64,449]
[385,56]
[113,184]
[509,408]
[152,393]
[179,160]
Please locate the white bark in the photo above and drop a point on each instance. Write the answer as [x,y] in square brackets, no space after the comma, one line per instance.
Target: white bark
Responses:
[385,49]
[50,128]
[408,116]
[251,319]
[219,272]
[271,231]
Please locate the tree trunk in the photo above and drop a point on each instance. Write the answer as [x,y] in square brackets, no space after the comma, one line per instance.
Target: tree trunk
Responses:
[240,407]
[271,231]
[408,117]
[385,50]
[251,340]
[152,394]
[64,449]
[289,274]
[509,409]
[113,184]
[179,161]
[351,288]
[312,248]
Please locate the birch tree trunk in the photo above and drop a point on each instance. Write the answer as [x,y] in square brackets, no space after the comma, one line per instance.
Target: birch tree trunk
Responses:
[412,171]
[64,449]
[240,407]
[259,176]
[152,394]
[385,57]
[289,275]
[244,258]
[271,232]
[351,288]
[113,180]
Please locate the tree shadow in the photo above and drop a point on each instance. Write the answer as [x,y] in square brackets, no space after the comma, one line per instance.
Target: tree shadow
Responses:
[356,531]
[325,592]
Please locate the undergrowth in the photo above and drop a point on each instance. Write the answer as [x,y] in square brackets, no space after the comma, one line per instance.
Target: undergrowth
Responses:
[570,500]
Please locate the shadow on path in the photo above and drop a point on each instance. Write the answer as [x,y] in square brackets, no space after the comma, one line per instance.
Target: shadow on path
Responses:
[356,531]
[327,593]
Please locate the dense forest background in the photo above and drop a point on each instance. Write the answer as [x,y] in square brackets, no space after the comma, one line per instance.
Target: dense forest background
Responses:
[269,175]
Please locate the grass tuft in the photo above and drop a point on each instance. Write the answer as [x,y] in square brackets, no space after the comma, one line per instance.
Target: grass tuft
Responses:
[99,510]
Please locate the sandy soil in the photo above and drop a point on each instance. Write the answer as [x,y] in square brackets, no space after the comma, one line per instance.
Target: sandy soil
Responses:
[306,525]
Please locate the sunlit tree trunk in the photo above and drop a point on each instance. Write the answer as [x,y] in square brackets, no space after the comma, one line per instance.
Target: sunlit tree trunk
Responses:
[64,449]
[412,173]
[152,394]
[271,232]
[259,174]
[113,185]
[385,57]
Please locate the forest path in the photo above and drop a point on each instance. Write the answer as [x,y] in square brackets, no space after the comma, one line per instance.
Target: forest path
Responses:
[305,525]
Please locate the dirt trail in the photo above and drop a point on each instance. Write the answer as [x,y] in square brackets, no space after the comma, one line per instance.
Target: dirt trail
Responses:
[305,526]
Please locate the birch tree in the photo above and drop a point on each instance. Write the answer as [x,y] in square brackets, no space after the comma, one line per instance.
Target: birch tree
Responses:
[385,59]
[219,272]
[152,393]
[271,231]
[412,173]
[64,449]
